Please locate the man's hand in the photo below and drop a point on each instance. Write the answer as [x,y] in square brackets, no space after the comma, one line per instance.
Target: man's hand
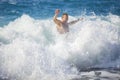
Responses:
[57,11]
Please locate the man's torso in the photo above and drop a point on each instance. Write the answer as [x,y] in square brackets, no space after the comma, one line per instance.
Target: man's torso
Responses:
[63,28]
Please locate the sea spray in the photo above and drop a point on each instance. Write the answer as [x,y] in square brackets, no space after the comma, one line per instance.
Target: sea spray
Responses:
[33,49]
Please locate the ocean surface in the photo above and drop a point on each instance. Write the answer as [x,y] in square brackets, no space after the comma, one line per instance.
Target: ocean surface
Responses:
[32,49]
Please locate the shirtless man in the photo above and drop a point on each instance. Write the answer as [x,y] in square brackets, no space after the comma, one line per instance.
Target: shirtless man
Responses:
[63,25]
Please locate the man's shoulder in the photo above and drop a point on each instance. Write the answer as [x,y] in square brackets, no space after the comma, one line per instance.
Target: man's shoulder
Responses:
[58,22]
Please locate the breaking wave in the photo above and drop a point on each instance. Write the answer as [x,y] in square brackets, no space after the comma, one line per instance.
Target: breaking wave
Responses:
[33,49]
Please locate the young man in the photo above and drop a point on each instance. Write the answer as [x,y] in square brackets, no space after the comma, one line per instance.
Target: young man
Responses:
[63,25]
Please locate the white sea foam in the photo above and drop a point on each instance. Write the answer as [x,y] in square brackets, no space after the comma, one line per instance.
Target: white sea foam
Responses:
[33,49]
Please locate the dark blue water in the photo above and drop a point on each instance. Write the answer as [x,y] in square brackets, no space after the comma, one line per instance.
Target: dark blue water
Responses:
[42,9]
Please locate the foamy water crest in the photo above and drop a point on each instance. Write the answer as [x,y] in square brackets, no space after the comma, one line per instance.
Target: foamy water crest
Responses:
[33,49]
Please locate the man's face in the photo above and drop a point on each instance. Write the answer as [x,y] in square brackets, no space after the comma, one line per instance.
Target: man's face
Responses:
[64,18]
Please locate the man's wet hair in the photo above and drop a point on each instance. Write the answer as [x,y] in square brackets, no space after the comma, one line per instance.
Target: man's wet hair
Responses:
[65,14]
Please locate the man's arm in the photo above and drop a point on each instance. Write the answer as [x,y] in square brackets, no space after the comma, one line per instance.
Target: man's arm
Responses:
[75,21]
[58,22]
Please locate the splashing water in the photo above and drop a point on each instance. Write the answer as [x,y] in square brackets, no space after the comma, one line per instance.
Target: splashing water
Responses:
[33,49]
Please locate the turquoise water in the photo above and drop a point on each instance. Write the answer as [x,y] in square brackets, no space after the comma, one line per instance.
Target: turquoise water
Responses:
[40,9]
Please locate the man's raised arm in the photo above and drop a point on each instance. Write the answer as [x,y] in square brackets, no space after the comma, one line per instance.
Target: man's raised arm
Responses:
[58,22]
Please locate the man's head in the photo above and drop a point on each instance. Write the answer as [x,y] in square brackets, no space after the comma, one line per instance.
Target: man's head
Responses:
[65,17]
